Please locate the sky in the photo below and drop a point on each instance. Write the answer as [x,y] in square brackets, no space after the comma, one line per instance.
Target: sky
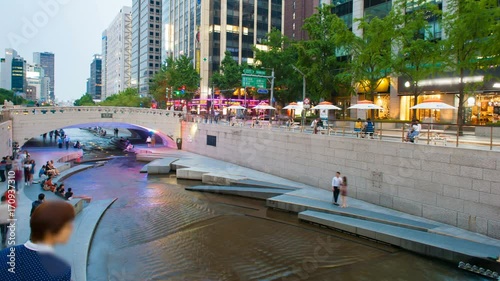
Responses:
[71,29]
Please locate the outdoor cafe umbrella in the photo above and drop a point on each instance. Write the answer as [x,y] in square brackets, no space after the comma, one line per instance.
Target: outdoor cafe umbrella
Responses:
[326,106]
[365,104]
[293,106]
[236,107]
[433,105]
[263,106]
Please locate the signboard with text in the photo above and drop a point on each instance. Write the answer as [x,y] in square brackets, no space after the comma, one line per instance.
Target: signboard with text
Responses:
[256,82]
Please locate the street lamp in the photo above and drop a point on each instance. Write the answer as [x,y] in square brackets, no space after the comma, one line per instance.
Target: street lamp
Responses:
[303,92]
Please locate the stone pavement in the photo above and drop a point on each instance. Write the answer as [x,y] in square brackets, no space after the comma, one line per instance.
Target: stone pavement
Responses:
[76,251]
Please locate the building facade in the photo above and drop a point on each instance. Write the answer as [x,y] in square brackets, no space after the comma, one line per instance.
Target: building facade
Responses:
[296,11]
[146,42]
[37,90]
[96,78]
[18,80]
[205,30]
[47,61]
[117,54]
[6,69]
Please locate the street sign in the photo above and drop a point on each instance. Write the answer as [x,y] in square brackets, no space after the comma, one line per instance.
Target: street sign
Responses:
[254,72]
[262,91]
[307,101]
[256,82]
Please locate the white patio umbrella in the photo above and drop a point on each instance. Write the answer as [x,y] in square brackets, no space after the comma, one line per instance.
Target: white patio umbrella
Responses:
[326,106]
[236,107]
[264,106]
[433,105]
[293,106]
[365,105]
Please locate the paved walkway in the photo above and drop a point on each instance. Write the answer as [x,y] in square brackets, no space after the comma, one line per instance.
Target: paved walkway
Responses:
[76,251]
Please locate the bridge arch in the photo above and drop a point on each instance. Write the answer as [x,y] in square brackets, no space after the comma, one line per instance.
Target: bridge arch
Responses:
[31,122]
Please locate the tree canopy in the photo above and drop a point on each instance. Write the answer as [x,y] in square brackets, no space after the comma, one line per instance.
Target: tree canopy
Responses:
[228,78]
[85,100]
[127,98]
[175,74]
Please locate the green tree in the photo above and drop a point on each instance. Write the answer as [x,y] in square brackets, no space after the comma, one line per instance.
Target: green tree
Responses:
[175,74]
[370,54]
[7,95]
[85,100]
[417,51]
[127,98]
[228,78]
[321,56]
[280,55]
[469,45]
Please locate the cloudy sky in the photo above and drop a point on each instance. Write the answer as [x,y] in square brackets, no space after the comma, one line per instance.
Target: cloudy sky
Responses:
[71,29]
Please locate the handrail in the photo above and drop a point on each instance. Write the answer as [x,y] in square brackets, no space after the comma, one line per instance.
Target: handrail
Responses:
[103,109]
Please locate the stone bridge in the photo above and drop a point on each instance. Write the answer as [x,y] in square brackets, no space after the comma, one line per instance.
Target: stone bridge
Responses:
[22,124]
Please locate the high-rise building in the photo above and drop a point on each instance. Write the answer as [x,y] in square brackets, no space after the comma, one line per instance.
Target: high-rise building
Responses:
[96,78]
[146,42]
[18,84]
[6,69]
[296,11]
[117,54]
[181,21]
[205,30]
[36,83]
[47,61]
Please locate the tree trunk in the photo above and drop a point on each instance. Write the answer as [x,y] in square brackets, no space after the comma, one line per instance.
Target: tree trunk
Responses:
[415,102]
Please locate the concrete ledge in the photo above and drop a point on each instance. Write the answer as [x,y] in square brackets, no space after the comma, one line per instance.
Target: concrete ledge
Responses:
[64,174]
[444,247]
[190,174]
[217,179]
[161,166]
[256,193]
[298,204]
[77,249]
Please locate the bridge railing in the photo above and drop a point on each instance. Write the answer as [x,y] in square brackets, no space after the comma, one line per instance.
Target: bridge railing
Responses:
[9,112]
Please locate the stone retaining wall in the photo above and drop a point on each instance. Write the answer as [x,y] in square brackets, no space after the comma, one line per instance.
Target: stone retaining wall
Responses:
[460,187]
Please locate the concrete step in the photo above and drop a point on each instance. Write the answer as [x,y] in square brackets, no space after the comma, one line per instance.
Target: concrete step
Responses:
[243,191]
[161,166]
[71,171]
[77,250]
[144,169]
[440,246]
[299,204]
[255,183]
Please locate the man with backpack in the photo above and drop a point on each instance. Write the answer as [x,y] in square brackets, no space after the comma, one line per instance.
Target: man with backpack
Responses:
[35,204]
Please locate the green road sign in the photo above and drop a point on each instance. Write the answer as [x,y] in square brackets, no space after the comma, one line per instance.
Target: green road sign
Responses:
[254,72]
[256,82]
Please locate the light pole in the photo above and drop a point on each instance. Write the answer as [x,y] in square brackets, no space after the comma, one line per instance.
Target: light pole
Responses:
[303,92]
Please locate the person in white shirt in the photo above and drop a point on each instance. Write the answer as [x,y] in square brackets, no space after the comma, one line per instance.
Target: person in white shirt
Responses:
[417,127]
[336,183]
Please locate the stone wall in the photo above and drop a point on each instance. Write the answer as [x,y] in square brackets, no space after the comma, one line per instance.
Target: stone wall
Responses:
[460,187]
[5,138]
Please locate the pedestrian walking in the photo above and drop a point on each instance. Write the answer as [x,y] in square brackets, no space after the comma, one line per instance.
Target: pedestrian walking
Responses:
[35,204]
[32,172]
[27,172]
[336,182]
[5,218]
[116,132]
[59,142]
[51,135]
[343,192]
[153,140]
[66,141]
[51,224]
[148,141]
